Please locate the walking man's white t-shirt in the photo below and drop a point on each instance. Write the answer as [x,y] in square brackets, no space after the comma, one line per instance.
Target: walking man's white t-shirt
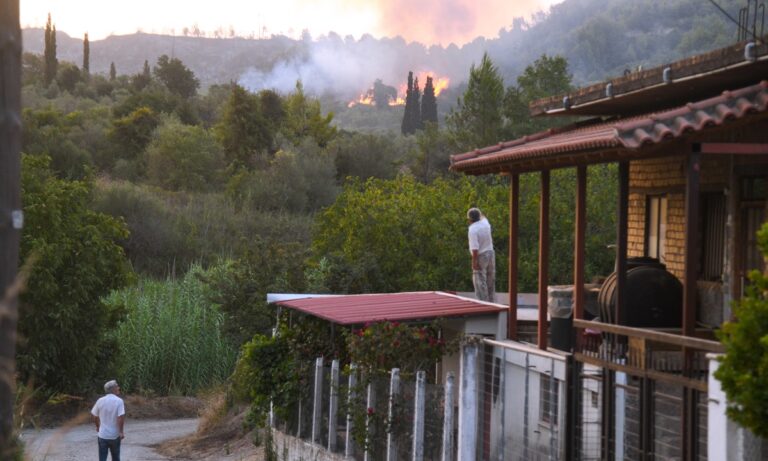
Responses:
[108,409]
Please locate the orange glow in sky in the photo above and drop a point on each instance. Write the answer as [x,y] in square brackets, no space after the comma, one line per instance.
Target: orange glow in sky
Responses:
[427,21]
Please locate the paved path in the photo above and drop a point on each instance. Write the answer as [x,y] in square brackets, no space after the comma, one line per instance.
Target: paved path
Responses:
[79,442]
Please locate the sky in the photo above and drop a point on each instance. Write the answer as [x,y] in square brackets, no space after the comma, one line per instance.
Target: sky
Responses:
[431,22]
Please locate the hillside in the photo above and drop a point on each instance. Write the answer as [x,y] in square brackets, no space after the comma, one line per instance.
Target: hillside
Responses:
[599,38]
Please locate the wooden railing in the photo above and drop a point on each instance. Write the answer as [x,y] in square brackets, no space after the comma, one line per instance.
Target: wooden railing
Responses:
[655,354]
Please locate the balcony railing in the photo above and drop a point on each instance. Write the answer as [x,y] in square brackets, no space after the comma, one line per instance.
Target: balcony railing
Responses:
[656,354]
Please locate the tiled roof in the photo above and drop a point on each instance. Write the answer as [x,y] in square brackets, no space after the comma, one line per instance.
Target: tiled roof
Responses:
[360,309]
[624,134]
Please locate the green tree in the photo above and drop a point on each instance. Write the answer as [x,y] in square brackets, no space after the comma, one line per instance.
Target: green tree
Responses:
[86,55]
[183,157]
[434,149]
[412,113]
[429,104]
[32,69]
[743,369]
[65,325]
[303,118]
[547,76]
[131,134]
[112,72]
[243,130]
[176,76]
[366,155]
[477,120]
[51,62]
[143,78]
[69,76]
[50,133]
[240,288]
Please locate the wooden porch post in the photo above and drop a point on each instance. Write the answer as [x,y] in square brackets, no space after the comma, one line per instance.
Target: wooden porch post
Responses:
[514,213]
[621,244]
[578,251]
[691,241]
[543,259]
[692,199]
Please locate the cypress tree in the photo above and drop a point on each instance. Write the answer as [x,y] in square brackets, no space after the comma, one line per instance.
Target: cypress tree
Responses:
[86,55]
[51,63]
[416,112]
[146,73]
[112,71]
[429,104]
[407,126]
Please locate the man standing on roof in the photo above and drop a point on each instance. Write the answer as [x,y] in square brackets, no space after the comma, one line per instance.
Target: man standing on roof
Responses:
[483,256]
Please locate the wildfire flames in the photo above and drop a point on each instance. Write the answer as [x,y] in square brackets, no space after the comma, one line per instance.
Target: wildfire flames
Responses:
[439,84]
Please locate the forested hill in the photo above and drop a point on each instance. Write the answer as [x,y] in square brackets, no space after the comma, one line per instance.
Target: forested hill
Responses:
[600,38]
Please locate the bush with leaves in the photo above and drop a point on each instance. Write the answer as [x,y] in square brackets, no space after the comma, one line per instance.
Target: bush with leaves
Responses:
[743,369]
[378,347]
[64,324]
[183,157]
[240,288]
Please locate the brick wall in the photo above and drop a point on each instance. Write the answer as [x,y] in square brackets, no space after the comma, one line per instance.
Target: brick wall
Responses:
[667,176]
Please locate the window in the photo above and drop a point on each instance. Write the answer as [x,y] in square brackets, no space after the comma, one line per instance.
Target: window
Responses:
[656,227]
[754,193]
[549,395]
[713,216]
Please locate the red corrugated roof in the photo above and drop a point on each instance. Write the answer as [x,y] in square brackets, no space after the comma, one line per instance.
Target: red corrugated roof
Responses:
[359,309]
[625,134]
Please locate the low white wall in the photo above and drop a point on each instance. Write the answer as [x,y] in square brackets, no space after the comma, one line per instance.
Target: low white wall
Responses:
[290,448]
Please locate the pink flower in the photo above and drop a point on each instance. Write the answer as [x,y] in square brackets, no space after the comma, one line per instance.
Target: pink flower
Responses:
[371,411]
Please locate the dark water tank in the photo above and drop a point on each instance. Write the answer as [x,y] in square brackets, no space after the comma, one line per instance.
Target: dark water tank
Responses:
[654,296]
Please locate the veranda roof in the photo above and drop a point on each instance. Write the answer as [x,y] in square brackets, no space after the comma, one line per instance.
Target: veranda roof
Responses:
[597,141]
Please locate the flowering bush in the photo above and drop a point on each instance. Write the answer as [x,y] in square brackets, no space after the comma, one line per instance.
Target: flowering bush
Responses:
[376,348]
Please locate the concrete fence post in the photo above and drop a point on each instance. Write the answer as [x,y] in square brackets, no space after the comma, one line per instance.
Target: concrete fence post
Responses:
[333,406]
[468,403]
[418,416]
[370,406]
[317,401]
[394,392]
[448,418]
[349,443]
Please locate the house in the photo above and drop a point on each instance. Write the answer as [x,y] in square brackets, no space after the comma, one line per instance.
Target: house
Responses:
[691,143]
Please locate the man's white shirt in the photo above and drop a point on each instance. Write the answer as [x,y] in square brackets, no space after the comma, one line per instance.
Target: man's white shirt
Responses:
[480,236]
[108,409]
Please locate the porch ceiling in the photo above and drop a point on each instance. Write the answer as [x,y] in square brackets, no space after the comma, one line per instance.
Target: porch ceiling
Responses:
[614,139]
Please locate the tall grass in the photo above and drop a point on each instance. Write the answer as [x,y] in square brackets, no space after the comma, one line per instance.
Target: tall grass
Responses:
[170,341]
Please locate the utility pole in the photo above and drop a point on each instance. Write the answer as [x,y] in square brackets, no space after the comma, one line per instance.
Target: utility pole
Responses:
[11,218]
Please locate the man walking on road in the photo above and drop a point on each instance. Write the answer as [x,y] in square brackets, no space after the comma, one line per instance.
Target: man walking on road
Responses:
[109,417]
[483,256]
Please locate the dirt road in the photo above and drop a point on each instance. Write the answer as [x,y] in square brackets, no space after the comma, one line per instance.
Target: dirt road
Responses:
[79,442]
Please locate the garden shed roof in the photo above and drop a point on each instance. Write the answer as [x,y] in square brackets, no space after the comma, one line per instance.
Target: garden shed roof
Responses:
[360,309]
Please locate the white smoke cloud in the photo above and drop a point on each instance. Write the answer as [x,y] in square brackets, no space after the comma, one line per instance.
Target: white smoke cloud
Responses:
[331,66]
